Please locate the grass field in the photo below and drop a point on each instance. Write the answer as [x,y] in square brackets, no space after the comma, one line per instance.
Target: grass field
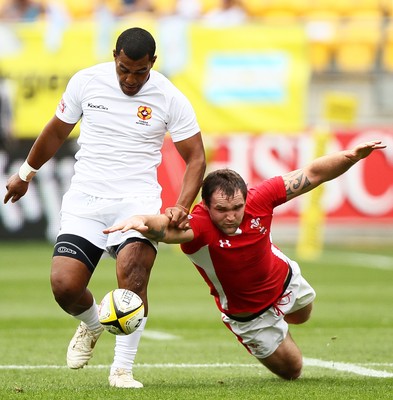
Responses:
[186,352]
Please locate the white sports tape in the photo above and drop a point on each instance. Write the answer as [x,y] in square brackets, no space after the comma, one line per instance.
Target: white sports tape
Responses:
[26,172]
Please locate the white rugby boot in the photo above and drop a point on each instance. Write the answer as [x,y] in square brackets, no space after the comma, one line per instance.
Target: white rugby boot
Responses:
[121,378]
[80,349]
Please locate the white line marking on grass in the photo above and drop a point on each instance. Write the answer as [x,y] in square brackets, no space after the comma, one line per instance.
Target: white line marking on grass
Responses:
[378,364]
[308,362]
[346,367]
[212,365]
[157,335]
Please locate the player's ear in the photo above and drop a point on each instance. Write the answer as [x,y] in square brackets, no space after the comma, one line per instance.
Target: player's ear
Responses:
[204,205]
[153,60]
[114,53]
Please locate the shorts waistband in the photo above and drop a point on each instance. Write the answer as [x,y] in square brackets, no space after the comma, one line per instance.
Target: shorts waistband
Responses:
[260,312]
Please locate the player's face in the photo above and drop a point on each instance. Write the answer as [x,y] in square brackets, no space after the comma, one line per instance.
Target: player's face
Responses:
[227,212]
[132,75]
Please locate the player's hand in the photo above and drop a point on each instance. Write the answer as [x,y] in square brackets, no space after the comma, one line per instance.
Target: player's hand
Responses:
[136,222]
[365,149]
[178,217]
[16,188]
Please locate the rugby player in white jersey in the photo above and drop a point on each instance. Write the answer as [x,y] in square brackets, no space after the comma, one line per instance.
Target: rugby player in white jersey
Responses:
[125,109]
[257,288]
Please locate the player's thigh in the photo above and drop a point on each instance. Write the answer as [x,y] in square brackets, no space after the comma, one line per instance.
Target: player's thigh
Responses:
[286,360]
[73,263]
[267,338]
[134,262]
[299,316]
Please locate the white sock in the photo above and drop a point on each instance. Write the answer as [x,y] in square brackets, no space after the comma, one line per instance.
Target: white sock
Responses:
[90,317]
[126,348]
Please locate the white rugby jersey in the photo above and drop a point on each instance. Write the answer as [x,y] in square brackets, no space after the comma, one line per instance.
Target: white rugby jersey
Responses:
[121,136]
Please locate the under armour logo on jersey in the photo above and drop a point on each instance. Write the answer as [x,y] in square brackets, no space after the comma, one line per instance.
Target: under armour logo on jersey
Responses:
[225,243]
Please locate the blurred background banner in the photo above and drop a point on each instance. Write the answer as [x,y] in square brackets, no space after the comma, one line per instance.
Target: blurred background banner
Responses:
[251,78]
[361,198]
[39,70]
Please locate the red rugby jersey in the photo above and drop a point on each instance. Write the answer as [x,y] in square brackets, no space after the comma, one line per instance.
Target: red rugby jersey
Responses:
[245,272]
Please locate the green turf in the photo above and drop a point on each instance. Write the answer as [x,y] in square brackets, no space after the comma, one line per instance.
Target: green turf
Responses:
[352,323]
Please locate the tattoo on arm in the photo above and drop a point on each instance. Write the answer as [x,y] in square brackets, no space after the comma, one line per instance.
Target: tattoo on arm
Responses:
[295,182]
[157,234]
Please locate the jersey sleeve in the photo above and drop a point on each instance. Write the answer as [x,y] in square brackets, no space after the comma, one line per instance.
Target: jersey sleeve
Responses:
[267,194]
[182,123]
[69,109]
[198,226]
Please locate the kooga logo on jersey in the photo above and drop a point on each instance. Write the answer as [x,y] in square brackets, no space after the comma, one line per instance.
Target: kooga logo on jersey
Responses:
[99,106]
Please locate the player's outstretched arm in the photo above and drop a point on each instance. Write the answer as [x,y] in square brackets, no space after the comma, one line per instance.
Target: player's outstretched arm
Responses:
[155,227]
[326,168]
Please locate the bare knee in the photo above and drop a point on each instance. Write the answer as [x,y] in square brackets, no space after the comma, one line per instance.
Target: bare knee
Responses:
[286,362]
[289,370]
[65,293]
[69,282]
[292,373]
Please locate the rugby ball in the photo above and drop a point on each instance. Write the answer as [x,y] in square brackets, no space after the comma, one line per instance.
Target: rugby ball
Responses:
[121,311]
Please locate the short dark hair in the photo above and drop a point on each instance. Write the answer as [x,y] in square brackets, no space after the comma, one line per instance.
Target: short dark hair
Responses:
[225,180]
[136,43]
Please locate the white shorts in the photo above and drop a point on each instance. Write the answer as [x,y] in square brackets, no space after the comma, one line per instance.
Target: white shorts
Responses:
[262,335]
[86,216]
